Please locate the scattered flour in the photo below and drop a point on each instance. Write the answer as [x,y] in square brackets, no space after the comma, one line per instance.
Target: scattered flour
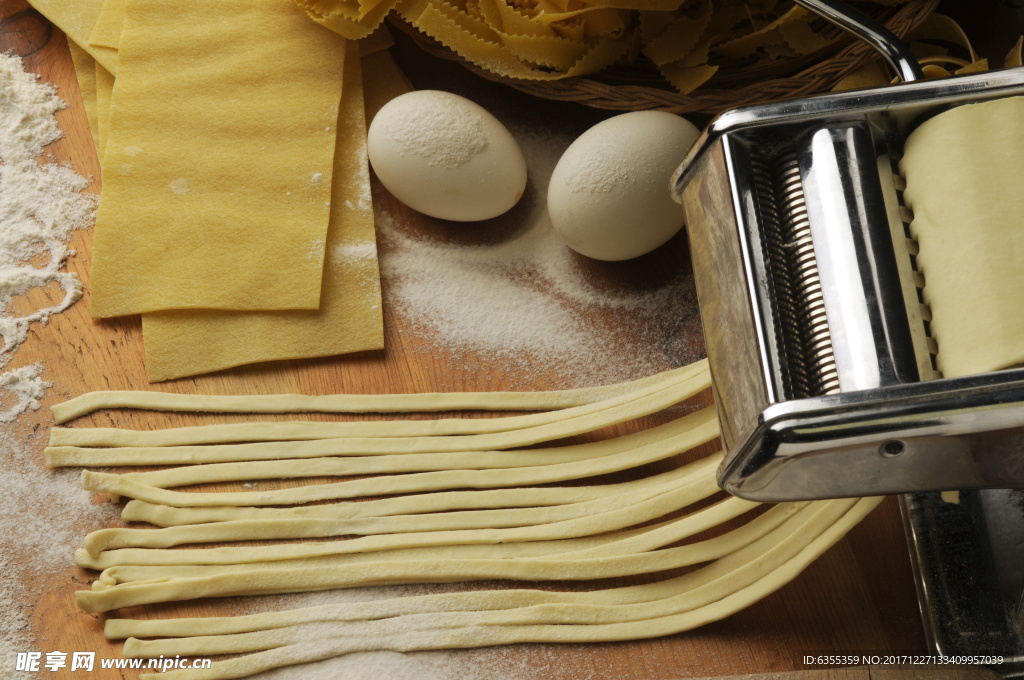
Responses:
[429,125]
[353,252]
[316,250]
[489,663]
[180,186]
[40,205]
[26,388]
[530,301]
[506,663]
[43,514]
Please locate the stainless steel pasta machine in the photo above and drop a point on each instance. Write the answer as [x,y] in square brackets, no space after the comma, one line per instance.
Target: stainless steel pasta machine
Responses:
[822,364]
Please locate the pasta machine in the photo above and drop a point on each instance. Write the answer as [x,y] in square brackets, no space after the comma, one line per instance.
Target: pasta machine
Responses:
[823,368]
[822,365]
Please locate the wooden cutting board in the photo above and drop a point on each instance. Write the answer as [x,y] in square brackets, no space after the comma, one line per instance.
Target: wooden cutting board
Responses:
[858,597]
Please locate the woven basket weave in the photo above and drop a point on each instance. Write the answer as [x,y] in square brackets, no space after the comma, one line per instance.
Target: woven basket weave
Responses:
[625,88]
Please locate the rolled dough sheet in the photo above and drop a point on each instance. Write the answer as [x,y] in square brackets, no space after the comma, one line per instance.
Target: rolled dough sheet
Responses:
[77,18]
[349,320]
[85,70]
[106,34]
[104,92]
[962,170]
[219,159]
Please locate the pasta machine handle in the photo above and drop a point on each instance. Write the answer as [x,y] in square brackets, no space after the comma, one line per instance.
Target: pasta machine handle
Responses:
[864,27]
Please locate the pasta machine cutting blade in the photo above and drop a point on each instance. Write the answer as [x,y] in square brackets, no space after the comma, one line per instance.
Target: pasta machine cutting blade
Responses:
[821,360]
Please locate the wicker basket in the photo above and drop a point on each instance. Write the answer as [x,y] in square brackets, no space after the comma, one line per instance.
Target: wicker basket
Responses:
[640,86]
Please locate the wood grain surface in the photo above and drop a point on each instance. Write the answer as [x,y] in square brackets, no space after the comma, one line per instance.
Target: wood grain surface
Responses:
[858,598]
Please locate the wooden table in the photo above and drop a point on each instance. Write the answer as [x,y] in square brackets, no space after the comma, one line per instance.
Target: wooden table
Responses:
[859,597]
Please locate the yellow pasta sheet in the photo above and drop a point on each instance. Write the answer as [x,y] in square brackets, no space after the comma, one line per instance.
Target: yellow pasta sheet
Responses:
[349,320]
[77,18]
[106,34]
[963,184]
[85,70]
[104,91]
[218,162]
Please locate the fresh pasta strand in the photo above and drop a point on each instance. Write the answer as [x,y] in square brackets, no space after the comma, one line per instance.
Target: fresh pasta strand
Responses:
[693,590]
[444,501]
[498,433]
[463,458]
[313,554]
[390,572]
[668,498]
[623,543]
[349,403]
[478,636]
[702,427]
[465,601]
[474,511]
[312,526]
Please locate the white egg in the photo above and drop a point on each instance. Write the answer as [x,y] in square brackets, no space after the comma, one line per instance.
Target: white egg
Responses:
[609,196]
[446,156]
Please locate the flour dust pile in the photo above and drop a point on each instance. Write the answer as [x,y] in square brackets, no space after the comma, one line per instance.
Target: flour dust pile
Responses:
[41,203]
[42,514]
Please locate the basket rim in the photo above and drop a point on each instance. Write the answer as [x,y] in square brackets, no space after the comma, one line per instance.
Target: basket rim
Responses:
[848,56]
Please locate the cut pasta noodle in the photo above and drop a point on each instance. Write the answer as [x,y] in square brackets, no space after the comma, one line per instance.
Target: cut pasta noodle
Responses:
[625,543]
[529,497]
[465,456]
[466,504]
[691,591]
[702,428]
[494,433]
[301,579]
[457,520]
[508,633]
[607,520]
[349,403]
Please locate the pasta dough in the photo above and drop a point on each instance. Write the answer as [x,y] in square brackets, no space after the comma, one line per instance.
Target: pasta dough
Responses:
[449,529]
[521,430]
[526,533]
[702,428]
[466,601]
[694,590]
[196,561]
[76,18]
[85,69]
[353,403]
[532,497]
[104,93]
[106,34]
[194,148]
[349,318]
[300,579]
[961,169]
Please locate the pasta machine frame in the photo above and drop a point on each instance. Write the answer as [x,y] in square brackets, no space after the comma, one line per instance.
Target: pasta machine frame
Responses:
[821,364]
